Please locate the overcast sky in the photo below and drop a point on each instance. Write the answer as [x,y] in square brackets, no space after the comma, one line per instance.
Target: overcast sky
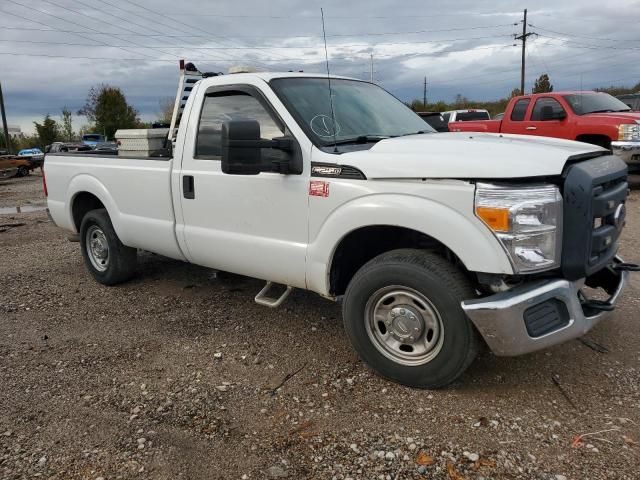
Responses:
[464,47]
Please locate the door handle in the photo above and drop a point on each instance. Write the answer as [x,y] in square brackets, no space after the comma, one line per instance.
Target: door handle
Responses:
[531,128]
[188,190]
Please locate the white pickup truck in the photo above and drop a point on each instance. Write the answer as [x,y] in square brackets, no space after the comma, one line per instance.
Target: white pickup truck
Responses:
[436,243]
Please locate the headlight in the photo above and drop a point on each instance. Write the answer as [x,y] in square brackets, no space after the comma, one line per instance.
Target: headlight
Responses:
[527,220]
[629,132]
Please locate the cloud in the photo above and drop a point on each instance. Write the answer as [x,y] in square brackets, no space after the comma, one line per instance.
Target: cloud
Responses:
[135,44]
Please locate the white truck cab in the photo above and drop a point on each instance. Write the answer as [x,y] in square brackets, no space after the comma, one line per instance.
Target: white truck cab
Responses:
[434,243]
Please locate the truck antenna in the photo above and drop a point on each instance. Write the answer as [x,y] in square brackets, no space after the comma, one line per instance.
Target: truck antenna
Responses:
[326,57]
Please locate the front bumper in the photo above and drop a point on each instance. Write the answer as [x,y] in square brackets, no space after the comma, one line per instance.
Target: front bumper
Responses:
[627,151]
[540,314]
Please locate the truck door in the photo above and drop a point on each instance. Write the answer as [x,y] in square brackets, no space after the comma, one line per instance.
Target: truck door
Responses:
[254,225]
[554,125]
[515,122]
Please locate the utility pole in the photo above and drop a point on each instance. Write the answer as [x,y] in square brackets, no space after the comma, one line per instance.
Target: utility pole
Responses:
[4,122]
[424,93]
[523,37]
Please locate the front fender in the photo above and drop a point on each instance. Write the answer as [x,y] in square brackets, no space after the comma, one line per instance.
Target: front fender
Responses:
[453,224]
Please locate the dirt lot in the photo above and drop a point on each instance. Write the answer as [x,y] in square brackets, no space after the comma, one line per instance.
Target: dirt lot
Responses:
[175,375]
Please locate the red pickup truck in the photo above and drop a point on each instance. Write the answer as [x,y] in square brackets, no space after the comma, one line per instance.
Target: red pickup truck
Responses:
[591,117]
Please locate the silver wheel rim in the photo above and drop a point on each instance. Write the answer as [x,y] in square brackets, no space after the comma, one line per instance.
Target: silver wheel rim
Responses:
[404,325]
[97,248]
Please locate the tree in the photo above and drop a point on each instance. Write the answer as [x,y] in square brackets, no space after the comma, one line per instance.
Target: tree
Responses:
[107,108]
[620,90]
[166,109]
[67,125]
[85,129]
[515,93]
[460,102]
[48,131]
[542,85]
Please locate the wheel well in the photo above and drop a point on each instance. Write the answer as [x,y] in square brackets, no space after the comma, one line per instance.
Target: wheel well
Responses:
[363,244]
[84,202]
[595,139]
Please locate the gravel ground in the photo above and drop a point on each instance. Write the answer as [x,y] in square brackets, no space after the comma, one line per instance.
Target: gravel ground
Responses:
[178,374]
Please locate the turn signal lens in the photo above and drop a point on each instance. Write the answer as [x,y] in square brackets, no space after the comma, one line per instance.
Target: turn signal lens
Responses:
[497,219]
[526,219]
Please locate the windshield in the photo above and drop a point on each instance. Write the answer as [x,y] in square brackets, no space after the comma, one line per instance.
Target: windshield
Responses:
[595,102]
[92,138]
[436,121]
[472,115]
[363,111]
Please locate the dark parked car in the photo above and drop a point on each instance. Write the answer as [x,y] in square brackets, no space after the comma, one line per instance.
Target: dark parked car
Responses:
[58,147]
[107,147]
[436,120]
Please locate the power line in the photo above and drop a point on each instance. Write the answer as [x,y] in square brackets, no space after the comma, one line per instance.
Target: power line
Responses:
[93,18]
[287,61]
[567,34]
[265,48]
[415,32]
[587,46]
[81,34]
[169,35]
[190,26]
[92,7]
[335,17]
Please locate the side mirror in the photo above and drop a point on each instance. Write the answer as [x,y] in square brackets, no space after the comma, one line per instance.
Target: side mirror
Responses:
[549,114]
[242,147]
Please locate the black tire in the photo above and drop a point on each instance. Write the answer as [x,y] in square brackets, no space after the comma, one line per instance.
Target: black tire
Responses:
[22,171]
[120,262]
[443,285]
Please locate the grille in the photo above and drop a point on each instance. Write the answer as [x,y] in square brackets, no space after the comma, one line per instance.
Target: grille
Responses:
[595,192]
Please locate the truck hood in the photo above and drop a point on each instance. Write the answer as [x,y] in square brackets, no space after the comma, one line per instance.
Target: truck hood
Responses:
[616,117]
[466,155]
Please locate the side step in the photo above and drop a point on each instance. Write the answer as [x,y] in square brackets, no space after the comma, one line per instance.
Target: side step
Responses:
[263,299]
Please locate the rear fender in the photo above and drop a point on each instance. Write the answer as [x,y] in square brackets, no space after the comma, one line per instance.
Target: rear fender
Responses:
[90,184]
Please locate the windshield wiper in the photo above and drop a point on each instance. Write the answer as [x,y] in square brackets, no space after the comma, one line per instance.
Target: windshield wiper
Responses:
[608,110]
[419,132]
[360,139]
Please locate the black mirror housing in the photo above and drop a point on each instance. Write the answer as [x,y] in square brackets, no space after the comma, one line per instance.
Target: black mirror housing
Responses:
[242,147]
[241,160]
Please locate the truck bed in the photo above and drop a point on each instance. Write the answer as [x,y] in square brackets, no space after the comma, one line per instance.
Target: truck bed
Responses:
[486,126]
[135,191]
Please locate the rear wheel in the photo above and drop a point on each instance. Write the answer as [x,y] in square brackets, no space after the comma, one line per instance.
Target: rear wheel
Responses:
[109,261]
[402,314]
[23,171]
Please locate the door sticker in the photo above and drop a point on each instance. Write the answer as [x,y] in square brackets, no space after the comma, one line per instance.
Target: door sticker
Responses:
[318,188]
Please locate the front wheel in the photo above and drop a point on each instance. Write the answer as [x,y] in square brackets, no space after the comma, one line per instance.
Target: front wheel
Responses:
[403,316]
[105,256]
[22,171]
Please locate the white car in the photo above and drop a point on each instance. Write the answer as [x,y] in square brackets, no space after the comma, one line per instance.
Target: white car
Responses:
[434,243]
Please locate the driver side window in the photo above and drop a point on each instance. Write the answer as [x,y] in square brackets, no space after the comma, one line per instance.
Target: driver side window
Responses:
[223,107]
[536,115]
